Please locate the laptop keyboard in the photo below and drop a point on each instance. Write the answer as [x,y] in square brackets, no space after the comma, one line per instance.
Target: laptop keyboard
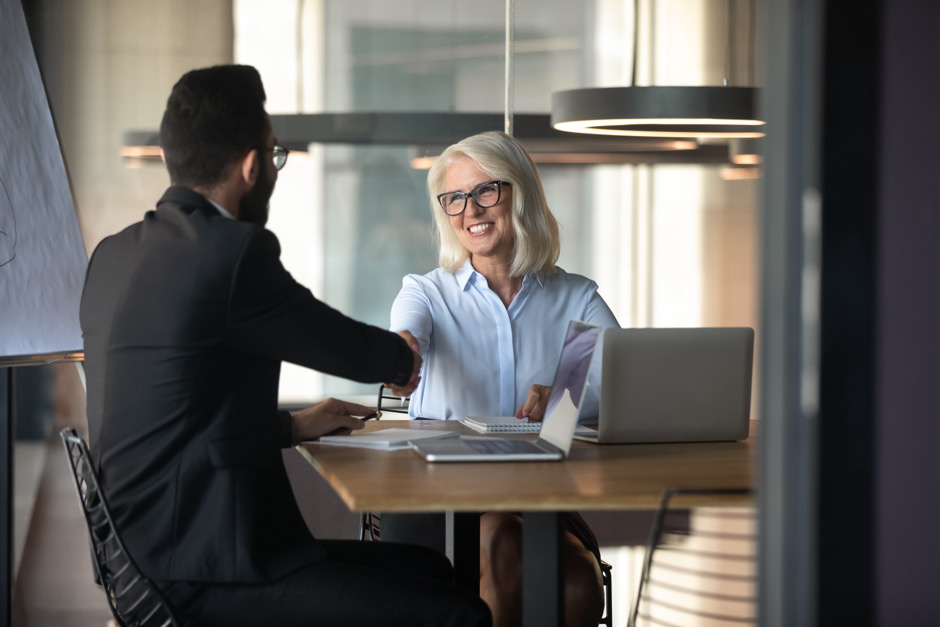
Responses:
[503,446]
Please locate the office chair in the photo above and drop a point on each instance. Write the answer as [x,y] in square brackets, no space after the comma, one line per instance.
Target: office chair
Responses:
[608,617]
[389,402]
[700,566]
[134,600]
[369,522]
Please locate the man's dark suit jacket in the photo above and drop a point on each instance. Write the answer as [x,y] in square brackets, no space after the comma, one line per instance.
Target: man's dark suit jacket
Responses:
[186,317]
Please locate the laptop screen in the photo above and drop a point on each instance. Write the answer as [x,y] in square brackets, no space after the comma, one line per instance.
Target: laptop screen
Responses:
[561,414]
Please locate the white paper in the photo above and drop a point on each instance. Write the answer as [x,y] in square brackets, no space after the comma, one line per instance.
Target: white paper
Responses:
[386,439]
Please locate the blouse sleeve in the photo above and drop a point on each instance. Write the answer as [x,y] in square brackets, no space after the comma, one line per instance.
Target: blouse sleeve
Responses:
[411,311]
[597,312]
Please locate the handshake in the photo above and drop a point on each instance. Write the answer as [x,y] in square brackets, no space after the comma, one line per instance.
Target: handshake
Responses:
[408,388]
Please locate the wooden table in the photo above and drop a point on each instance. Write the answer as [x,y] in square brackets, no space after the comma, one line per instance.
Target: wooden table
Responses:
[593,477]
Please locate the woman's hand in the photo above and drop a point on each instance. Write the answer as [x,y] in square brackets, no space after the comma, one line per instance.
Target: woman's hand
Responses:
[320,419]
[408,388]
[535,404]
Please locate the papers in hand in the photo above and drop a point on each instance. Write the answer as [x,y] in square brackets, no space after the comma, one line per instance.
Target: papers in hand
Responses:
[501,424]
[386,439]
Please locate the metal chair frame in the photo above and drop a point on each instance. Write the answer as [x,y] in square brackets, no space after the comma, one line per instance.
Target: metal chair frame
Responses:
[608,617]
[402,408]
[660,529]
[369,522]
[134,600]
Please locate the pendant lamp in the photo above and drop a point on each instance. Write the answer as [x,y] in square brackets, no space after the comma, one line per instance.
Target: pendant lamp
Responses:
[660,111]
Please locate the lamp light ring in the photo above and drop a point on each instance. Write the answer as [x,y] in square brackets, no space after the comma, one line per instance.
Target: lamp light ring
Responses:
[658,111]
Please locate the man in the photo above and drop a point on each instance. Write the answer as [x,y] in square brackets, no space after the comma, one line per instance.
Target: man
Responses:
[187,316]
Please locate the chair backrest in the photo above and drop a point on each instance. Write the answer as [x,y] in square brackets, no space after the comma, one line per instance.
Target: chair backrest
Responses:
[701,564]
[369,522]
[389,402]
[134,600]
[608,617]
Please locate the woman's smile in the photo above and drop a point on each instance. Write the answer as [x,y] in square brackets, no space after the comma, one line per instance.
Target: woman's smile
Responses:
[481,228]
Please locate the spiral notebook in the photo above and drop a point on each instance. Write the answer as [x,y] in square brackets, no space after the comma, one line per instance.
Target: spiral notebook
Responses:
[501,424]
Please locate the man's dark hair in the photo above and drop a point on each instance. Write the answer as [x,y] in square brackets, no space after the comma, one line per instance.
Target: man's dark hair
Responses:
[213,116]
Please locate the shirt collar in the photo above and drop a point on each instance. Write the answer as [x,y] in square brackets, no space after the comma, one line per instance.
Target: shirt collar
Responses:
[466,272]
[532,276]
[221,209]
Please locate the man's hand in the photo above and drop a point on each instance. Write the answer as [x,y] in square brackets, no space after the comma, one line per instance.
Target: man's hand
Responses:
[408,388]
[535,403]
[320,419]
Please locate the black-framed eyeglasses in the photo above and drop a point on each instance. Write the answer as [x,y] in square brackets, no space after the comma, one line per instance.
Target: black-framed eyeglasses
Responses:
[484,195]
[280,156]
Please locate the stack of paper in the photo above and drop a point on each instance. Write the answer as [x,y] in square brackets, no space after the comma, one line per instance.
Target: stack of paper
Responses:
[386,439]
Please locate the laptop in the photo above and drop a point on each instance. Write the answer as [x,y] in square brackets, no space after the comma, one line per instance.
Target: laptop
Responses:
[561,413]
[672,385]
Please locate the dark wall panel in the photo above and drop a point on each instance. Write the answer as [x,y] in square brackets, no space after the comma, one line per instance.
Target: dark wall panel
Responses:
[907,431]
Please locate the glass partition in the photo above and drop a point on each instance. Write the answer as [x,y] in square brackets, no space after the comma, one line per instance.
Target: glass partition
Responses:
[669,244]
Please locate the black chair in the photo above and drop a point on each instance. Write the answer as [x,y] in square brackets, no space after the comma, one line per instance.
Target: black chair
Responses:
[608,617]
[389,402]
[700,566]
[369,522]
[134,600]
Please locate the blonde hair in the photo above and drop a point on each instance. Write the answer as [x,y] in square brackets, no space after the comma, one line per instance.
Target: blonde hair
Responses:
[537,242]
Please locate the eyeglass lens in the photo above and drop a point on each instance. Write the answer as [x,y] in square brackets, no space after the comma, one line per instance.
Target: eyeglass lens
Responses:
[484,195]
[280,157]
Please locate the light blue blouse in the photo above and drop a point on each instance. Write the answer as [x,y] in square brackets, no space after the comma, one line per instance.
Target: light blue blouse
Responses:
[480,358]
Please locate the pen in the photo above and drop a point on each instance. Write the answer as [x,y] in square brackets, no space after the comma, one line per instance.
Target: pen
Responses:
[342,430]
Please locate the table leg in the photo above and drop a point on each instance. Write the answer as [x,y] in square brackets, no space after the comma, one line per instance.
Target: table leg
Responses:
[463,548]
[543,601]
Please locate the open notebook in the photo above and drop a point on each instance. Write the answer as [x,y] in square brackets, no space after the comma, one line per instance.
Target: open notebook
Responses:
[561,415]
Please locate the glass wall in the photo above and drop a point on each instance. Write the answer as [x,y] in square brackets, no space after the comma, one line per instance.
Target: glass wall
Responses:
[669,245]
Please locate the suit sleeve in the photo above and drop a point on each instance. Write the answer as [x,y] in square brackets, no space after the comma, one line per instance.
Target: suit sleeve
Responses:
[271,315]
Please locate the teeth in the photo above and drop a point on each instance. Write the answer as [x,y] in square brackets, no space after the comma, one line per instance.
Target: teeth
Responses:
[479,228]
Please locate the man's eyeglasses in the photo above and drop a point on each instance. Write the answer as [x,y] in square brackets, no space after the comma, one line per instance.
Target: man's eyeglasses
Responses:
[484,195]
[280,156]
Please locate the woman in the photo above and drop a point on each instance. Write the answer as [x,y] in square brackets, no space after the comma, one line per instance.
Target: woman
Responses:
[489,323]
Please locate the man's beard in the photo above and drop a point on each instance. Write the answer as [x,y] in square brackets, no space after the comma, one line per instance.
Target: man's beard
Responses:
[253,207]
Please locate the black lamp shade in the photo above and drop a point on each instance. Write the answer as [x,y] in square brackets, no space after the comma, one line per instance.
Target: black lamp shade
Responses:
[726,112]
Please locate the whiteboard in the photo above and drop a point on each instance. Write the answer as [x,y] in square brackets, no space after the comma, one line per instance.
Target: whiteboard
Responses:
[42,256]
